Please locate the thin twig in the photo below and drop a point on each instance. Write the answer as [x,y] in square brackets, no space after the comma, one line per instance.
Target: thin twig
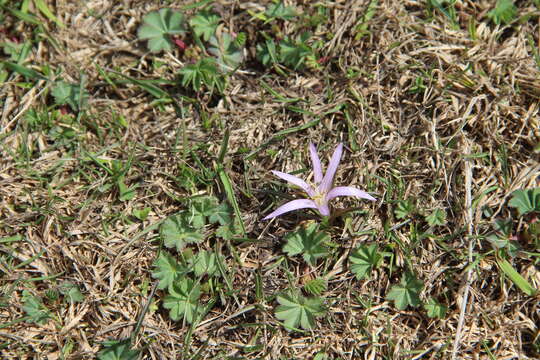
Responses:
[469,217]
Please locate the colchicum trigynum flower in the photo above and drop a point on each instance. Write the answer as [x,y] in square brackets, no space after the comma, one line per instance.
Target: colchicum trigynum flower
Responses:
[322,191]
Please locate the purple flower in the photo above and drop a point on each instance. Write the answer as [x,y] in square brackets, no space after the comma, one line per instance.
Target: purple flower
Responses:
[320,193]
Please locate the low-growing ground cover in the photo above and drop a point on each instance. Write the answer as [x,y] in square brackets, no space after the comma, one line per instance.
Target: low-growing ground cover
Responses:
[140,212]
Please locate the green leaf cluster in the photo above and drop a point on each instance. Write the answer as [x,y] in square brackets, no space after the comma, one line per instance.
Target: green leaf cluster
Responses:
[295,53]
[504,12]
[308,241]
[74,95]
[296,310]
[526,201]
[204,72]
[204,24]
[118,350]
[407,292]
[364,259]
[158,26]
[180,276]
[227,51]
[34,308]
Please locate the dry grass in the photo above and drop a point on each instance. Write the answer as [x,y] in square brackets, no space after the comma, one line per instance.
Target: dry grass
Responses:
[480,96]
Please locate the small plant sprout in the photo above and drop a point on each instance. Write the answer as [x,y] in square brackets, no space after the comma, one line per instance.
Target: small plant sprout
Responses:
[322,191]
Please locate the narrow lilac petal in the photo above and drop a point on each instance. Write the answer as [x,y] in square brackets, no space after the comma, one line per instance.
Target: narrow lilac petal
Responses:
[348,191]
[292,205]
[324,209]
[316,162]
[296,181]
[328,179]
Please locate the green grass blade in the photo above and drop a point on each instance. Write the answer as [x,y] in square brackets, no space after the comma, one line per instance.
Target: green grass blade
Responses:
[40,4]
[227,185]
[516,278]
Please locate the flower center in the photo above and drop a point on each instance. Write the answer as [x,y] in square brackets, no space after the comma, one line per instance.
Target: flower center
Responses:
[318,198]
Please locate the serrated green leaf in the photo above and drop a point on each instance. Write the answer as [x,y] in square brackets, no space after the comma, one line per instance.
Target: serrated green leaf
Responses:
[34,308]
[437,217]
[267,52]
[315,286]
[141,214]
[177,231]
[205,205]
[226,50]
[407,293]
[71,292]
[69,94]
[203,72]
[205,24]
[307,241]
[167,270]
[183,301]
[118,350]
[293,53]
[158,26]
[364,259]
[280,11]
[222,214]
[403,209]
[296,310]
[126,193]
[435,309]
[526,201]
[204,263]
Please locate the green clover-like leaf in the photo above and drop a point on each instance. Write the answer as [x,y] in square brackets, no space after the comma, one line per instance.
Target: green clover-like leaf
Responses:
[407,293]
[280,11]
[205,24]
[227,51]
[177,231]
[118,350]
[307,241]
[34,308]
[295,310]
[204,263]
[435,309]
[141,214]
[73,95]
[71,292]
[204,72]
[167,270]
[437,217]
[183,301]
[403,209]
[267,53]
[526,201]
[158,26]
[221,214]
[364,259]
[293,53]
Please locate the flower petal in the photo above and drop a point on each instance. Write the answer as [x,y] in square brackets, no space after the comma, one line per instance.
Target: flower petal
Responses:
[296,181]
[348,191]
[292,205]
[324,209]
[316,162]
[328,179]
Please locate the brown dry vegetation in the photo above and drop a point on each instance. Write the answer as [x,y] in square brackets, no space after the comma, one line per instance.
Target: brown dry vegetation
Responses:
[469,135]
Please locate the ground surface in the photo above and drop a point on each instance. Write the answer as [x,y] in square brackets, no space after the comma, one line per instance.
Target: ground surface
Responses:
[437,109]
